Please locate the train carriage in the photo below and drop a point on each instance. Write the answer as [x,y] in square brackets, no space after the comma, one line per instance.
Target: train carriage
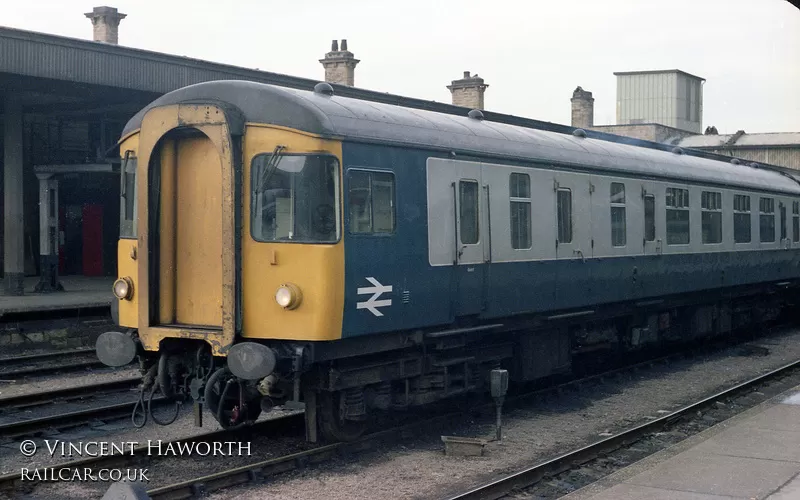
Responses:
[281,246]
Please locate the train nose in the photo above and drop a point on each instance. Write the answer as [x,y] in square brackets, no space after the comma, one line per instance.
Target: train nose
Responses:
[115,349]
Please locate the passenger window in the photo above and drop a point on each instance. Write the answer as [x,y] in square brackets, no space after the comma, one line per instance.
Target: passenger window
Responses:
[766,219]
[468,211]
[741,218]
[649,217]
[677,206]
[564,211]
[796,221]
[371,199]
[520,196]
[618,229]
[711,207]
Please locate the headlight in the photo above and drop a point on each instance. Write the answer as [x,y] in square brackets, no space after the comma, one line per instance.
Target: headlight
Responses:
[123,288]
[288,296]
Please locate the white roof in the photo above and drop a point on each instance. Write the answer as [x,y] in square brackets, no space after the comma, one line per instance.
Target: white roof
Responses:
[750,140]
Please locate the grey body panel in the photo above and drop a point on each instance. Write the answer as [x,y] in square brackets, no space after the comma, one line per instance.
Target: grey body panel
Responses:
[359,120]
[591,215]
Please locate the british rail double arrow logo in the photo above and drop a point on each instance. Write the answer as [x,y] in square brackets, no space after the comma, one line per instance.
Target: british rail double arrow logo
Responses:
[372,304]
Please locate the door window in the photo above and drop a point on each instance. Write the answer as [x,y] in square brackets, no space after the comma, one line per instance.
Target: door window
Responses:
[564,211]
[649,217]
[468,211]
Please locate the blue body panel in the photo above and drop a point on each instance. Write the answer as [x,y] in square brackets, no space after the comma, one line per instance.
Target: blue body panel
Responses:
[424,296]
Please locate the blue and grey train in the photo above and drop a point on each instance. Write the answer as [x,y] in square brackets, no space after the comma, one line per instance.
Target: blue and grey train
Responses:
[290,247]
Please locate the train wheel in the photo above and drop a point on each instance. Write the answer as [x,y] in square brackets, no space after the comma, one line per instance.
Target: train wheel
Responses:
[333,425]
[226,399]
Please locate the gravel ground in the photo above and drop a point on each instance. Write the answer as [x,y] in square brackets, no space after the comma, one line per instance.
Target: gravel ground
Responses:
[420,470]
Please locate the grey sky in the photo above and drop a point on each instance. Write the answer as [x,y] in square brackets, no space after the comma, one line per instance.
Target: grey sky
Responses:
[532,53]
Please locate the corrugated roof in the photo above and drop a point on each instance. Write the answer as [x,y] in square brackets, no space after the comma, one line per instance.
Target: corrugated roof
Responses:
[46,56]
[358,120]
[746,140]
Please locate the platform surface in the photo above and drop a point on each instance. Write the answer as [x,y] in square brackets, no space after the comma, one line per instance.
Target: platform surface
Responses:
[755,455]
[79,291]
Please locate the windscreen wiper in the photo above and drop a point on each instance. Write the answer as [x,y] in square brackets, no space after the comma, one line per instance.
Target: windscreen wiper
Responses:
[272,164]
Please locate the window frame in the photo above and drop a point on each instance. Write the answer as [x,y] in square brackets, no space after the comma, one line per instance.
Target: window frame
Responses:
[795,221]
[477,211]
[762,213]
[782,219]
[128,221]
[644,210]
[338,202]
[370,234]
[683,208]
[705,208]
[558,217]
[749,217]
[520,200]
[618,205]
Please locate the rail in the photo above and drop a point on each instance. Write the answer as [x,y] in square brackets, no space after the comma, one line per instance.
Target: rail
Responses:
[530,476]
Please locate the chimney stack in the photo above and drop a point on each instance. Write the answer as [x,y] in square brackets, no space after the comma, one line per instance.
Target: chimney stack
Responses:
[106,24]
[340,65]
[468,91]
[582,109]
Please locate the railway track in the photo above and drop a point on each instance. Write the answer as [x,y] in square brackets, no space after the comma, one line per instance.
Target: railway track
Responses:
[69,393]
[291,426]
[525,479]
[16,367]
[259,470]
[36,426]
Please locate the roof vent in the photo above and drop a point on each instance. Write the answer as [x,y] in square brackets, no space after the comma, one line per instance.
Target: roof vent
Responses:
[677,151]
[323,88]
[579,132]
[476,114]
[736,161]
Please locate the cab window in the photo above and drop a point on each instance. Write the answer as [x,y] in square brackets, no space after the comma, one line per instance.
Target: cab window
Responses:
[294,198]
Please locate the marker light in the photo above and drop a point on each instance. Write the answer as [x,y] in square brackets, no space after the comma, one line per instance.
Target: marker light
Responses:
[288,296]
[123,288]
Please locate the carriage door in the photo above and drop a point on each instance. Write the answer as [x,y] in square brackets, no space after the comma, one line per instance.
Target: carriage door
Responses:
[458,231]
[471,235]
[569,194]
[651,241]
